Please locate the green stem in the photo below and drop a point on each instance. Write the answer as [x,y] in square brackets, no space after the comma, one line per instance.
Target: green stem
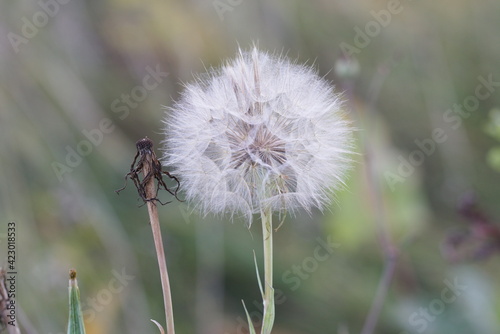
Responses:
[267,235]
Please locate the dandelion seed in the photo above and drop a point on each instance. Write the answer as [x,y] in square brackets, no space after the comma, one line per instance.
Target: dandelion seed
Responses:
[261,132]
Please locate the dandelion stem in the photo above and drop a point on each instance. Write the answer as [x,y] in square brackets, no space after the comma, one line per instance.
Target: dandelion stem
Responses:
[267,235]
[150,189]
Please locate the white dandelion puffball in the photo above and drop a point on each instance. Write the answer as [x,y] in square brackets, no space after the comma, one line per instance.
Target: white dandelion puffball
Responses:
[259,133]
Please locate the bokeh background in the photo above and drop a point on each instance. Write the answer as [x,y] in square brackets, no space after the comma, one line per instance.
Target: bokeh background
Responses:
[417,222]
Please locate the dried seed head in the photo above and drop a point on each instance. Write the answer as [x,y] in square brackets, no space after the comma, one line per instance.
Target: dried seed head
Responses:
[259,133]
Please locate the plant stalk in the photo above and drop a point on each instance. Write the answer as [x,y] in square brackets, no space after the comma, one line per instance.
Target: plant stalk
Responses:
[150,189]
[267,236]
[389,250]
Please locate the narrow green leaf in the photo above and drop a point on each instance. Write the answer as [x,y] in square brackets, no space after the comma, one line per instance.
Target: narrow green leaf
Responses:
[250,323]
[258,275]
[75,322]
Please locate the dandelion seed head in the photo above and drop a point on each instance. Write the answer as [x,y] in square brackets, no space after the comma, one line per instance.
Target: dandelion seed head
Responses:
[261,132]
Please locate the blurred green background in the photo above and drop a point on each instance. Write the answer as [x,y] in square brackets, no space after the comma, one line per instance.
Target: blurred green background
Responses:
[70,70]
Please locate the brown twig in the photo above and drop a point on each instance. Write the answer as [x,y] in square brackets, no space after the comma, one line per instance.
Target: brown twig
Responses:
[151,170]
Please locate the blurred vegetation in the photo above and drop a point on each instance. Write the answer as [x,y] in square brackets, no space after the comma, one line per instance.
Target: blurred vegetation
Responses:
[77,68]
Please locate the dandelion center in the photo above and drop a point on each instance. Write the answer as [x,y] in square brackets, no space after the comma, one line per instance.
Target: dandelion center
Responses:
[255,145]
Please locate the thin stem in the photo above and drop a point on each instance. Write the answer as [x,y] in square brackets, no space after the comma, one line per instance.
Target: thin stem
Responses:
[376,198]
[378,301]
[388,248]
[267,235]
[389,251]
[150,189]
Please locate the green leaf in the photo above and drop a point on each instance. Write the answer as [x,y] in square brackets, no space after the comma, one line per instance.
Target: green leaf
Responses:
[75,322]
[258,275]
[250,324]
